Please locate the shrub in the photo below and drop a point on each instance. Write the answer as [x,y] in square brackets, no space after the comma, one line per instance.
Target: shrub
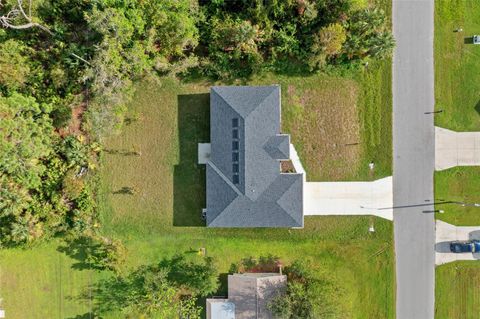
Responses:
[95,252]
[72,185]
[307,296]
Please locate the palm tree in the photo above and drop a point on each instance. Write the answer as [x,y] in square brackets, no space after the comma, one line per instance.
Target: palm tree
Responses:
[382,45]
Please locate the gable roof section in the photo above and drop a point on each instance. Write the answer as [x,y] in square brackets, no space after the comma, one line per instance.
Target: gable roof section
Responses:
[278,147]
[245,187]
[245,99]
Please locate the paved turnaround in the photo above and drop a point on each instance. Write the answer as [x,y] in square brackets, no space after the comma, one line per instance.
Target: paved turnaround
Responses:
[413,162]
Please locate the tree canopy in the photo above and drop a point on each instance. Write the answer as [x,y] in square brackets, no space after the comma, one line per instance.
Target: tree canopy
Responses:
[168,289]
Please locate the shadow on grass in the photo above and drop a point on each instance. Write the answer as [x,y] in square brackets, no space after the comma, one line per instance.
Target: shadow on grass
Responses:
[468,40]
[189,177]
[477,107]
[82,249]
[87,315]
[124,191]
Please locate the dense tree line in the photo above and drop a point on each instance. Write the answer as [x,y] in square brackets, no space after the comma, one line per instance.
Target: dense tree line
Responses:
[85,54]
[241,38]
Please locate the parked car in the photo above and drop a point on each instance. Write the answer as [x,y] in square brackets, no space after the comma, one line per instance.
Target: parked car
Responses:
[471,246]
[476,39]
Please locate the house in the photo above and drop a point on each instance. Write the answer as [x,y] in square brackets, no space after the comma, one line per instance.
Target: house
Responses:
[246,186]
[249,295]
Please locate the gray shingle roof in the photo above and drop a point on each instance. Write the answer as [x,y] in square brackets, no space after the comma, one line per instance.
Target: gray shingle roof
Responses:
[245,187]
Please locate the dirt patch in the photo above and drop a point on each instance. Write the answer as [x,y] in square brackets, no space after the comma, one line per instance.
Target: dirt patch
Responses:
[75,124]
[287,167]
[324,125]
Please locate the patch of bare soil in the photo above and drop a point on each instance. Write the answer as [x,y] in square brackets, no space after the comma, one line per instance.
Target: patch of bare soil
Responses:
[75,125]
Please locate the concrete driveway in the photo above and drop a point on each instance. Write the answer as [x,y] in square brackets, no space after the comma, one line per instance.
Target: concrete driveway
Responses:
[456,148]
[349,198]
[446,233]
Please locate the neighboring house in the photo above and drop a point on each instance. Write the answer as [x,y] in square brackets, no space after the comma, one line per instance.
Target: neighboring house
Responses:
[245,183]
[248,296]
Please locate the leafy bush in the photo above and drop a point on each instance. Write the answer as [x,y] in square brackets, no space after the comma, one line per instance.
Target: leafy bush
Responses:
[198,278]
[72,185]
[269,263]
[95,252]
[307,297]
[164,290]
[13,63]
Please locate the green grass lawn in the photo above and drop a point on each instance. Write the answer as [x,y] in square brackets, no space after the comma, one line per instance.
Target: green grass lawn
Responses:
[457,87]
[459,184]
[457,67]
[171,190]
[458,290]
[162,217]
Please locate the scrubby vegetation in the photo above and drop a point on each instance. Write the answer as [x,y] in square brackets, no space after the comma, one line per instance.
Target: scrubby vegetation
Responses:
[168,289]
[307,296]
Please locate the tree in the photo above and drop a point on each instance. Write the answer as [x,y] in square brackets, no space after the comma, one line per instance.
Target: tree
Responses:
[95,252]
[199,278]
[331,38]
[13,63]
[34,161]
[327,43]
[307,296]
[368,35]
[157,291]
[25,140]
[233,47]
[134,38]
[17,13]
[171,26]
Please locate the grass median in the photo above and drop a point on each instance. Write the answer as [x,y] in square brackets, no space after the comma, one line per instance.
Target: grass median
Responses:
[457,67]
[457,84]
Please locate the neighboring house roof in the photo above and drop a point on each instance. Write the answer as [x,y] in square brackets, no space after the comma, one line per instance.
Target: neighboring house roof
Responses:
[220,309]
[245,187]
[249,295]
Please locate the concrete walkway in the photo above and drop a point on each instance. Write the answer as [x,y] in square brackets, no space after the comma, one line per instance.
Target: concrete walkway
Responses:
[456,148]
[349,198]
[204,151]
[446,233]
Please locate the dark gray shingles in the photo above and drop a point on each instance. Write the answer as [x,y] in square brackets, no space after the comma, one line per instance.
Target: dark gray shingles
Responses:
[278,147]
[260,146]
[219,194]
[221,115]
[244,99]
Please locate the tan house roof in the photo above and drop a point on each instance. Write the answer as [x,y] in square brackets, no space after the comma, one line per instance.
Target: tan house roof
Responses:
[251,293]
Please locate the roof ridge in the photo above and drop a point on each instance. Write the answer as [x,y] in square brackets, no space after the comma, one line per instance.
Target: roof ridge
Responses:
[286,213]
[219,95]
[283,194]
[229,183]
[272,146]
[226,180]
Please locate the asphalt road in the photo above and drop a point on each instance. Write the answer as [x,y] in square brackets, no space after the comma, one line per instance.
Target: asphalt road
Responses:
[413,163]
